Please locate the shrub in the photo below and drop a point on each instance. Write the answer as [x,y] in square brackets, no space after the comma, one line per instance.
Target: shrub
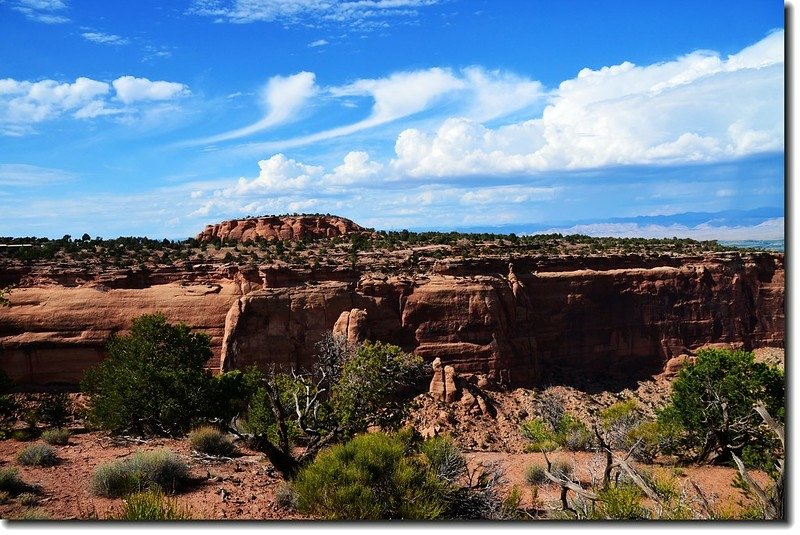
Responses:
[541,437]
[54,410]
[33,514]
[712,402]
[9,408]
[10,481]
[534,475]
[510,507]
[662,482]
[231,392]
[622,502]
[562,469]
[260,419]
[550,406]
[573,434]
[37,455]
[445,458]
[618,420]
[151,505]
[286,497]
[370,477]
[373,381]
[28,499]
[649,437]
[147,470]
[23,435]
[211,441]
[153,381]
[57,436]
[5,497]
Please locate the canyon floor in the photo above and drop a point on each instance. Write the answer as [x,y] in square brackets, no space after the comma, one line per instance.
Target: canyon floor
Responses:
[244,487]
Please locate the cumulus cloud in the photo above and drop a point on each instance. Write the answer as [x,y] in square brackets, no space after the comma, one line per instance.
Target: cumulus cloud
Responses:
[24,103]
[362,14]
[318,42]
[104,38]
[697,108]
[130,89]
[46,11]
[277,173]
[357,167]
[32,102]
[284,98]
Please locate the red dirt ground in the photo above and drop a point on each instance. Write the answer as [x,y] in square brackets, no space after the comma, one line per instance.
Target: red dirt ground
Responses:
[244,488]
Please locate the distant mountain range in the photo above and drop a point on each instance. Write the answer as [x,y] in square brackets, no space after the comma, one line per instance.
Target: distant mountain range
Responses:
[690,221]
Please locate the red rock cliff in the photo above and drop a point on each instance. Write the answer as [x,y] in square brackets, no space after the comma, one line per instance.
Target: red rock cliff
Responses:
[521,326]
[603,315]
[280,227]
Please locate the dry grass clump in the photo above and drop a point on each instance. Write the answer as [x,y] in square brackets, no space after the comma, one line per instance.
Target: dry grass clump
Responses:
[37,455]
[160,469]
[211,441]
[57,436]
[151,505]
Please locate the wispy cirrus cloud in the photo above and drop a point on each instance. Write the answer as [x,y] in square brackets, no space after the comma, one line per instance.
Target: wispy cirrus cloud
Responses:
[361,14]
[26,175]
[105,38]
[45,11]
[284,98]
[476,92]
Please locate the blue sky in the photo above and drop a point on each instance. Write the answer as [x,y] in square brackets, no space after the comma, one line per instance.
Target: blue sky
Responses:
[613,117]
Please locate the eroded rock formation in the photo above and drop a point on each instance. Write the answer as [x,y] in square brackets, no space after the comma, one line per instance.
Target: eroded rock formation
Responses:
[280,227]
[625,315]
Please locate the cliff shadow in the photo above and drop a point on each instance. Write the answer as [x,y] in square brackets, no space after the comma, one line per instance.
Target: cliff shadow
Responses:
[596,382]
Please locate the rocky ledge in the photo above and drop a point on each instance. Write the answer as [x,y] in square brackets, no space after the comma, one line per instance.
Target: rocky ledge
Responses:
[280,228]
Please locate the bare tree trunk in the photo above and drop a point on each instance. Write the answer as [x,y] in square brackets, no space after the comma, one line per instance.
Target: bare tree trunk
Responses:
[283,461]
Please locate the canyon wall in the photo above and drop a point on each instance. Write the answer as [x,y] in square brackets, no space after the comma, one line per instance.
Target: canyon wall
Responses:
[593,315]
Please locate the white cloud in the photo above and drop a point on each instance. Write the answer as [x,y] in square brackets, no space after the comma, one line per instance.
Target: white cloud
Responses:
[770,229]
[318,42]
[356,167]
[130,89]
[24,103]
[96,108]
[504,195]
[283,96]
[277,173]
[25,175]
[104,38]
[697,108]
[46,11]
[401,94]
[480,94]
[496,93]
[32,102]
[362,14]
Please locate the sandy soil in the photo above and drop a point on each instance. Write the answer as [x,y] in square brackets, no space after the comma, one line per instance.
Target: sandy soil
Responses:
[244,488]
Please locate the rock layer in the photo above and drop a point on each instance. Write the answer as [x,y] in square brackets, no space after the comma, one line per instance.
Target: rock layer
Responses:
[280,227]
[623,321]
[610,316]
